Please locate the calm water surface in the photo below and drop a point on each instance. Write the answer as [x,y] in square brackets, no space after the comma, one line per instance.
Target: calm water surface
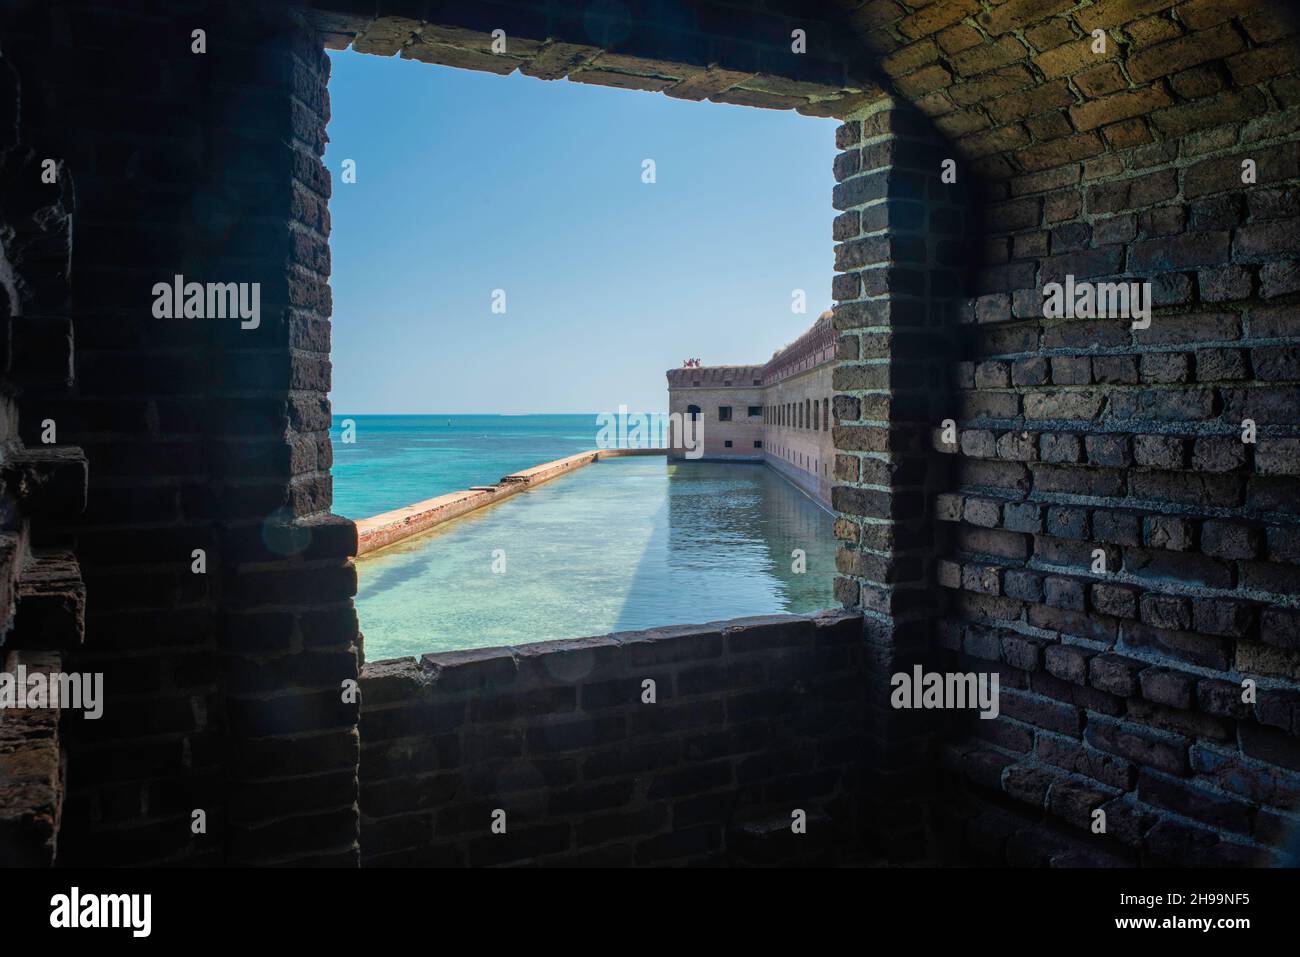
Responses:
[620,545]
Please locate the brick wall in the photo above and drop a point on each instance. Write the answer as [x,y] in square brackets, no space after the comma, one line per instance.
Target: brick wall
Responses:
[42,596]
[1122,682]
[1121,687]
[32,769]
[740,53]
[1125,683]
[754,719]
[222,687]
[900,255]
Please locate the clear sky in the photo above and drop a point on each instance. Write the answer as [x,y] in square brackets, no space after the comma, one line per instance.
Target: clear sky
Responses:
[470,182]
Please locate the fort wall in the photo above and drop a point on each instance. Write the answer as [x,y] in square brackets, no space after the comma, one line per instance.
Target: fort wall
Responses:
[751,721]
[797,440]
[778,413]
[727,404]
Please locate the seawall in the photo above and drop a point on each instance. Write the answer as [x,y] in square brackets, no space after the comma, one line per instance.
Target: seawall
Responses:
[380,531]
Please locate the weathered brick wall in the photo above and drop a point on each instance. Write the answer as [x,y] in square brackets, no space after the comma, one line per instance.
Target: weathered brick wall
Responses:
[901,254]
[42,597]
[289,634]
[32,770]
[754,719]
[1122,688]
[222,686]
[741,53]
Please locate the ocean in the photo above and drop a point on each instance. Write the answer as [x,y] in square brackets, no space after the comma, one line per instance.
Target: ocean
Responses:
[397,460]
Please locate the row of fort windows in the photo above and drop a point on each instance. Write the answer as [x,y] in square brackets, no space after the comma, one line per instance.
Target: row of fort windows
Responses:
[812,414]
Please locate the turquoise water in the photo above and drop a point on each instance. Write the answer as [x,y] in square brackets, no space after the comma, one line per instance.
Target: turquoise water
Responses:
[619,545]
[397,460]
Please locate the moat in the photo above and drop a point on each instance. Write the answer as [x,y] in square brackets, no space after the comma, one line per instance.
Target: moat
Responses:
[621,545]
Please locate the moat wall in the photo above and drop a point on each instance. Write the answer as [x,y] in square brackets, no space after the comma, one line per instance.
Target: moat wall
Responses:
[380,531]
[754,719]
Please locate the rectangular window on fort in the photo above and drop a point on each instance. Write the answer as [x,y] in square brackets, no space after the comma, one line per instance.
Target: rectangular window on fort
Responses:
[755,411]
[724,413]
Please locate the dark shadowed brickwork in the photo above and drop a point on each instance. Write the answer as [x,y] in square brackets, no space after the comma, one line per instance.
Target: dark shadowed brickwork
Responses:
[42,597]
[902,251]
[986,455]
[221,687]
[751,720]
[1121,682]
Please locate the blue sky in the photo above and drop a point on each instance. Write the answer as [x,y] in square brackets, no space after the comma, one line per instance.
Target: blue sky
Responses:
[469,182]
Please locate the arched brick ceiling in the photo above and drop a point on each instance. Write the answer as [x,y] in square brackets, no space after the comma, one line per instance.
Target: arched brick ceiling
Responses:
[1019,89]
